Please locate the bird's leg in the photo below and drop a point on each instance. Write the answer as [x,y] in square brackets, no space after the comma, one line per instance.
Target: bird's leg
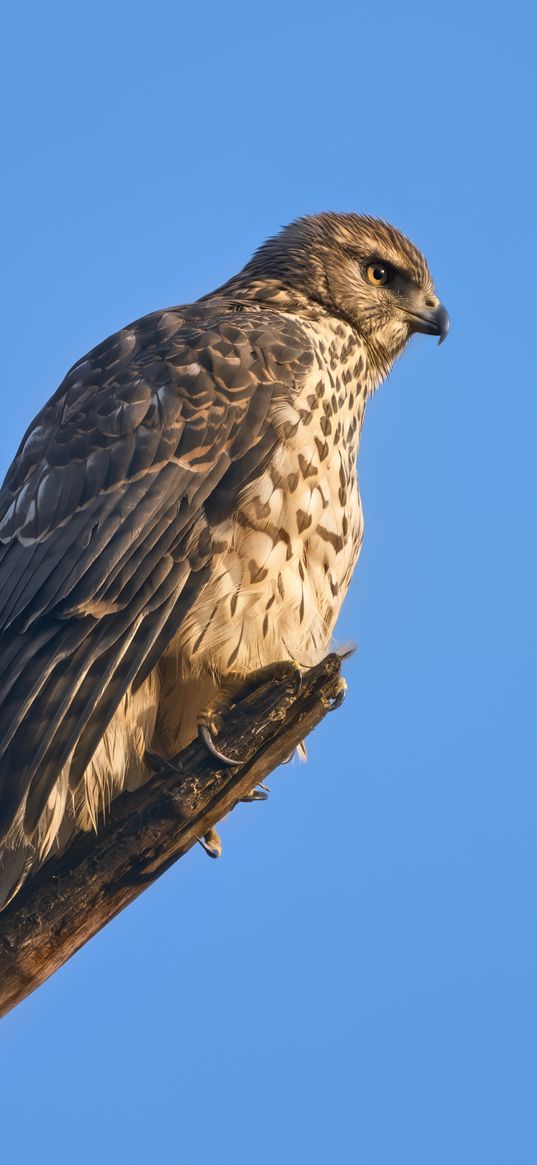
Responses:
[233,689]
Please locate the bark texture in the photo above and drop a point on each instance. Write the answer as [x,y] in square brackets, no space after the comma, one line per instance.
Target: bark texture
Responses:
[72,897]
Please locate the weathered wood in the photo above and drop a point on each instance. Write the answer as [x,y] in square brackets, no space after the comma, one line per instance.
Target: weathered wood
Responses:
[72,897]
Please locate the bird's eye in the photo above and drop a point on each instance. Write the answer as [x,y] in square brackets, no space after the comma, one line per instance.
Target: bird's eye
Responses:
[378,274]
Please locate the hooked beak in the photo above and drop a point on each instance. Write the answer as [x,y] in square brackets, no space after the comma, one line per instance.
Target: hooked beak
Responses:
[434,322]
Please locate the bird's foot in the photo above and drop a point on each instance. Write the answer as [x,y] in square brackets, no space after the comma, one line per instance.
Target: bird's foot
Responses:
[237,688]
[211,843]
[208,728]
[259,794]
[337,700]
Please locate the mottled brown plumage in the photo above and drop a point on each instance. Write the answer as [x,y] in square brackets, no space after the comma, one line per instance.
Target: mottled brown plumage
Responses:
[185,510]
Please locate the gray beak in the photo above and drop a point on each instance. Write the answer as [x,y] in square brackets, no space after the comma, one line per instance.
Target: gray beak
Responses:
[433,322]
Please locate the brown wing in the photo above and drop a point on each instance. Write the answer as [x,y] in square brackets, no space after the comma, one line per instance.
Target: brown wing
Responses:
[104,538]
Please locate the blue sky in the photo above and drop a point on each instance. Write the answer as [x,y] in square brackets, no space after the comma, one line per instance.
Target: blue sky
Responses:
[355,978]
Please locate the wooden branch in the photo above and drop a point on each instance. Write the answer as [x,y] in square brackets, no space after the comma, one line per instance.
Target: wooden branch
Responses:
[73,896]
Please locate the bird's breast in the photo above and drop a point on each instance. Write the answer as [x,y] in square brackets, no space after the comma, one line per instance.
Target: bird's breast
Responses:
[289,549]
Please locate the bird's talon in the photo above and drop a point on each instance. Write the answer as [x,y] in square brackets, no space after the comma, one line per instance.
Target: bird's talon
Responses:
[205,736]
[260,794]
[339,697]
[300,752]
[211,843]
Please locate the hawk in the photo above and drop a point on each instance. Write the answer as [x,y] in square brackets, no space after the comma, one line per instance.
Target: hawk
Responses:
[183,512]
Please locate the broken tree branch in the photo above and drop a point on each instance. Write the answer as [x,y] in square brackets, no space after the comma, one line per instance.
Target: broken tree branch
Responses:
[74,895]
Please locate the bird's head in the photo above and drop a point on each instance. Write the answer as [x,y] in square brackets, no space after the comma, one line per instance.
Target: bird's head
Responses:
[361,269]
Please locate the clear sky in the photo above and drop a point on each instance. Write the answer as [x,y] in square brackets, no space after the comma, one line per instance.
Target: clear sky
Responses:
[355,979]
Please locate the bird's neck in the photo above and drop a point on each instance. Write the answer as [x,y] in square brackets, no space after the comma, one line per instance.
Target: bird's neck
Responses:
[241,291]
[380,360]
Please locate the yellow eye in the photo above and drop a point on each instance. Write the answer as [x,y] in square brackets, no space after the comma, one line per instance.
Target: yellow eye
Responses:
[378,274]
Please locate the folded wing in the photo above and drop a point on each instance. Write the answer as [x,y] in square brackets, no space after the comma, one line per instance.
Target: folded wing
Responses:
[104,537]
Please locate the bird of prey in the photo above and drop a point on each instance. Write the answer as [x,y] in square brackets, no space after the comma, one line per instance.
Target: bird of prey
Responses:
[184,512]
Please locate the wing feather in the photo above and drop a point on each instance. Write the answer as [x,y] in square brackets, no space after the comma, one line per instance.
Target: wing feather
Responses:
[105,522]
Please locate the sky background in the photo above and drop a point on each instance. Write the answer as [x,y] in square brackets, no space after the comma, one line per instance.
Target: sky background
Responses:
[355,979]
